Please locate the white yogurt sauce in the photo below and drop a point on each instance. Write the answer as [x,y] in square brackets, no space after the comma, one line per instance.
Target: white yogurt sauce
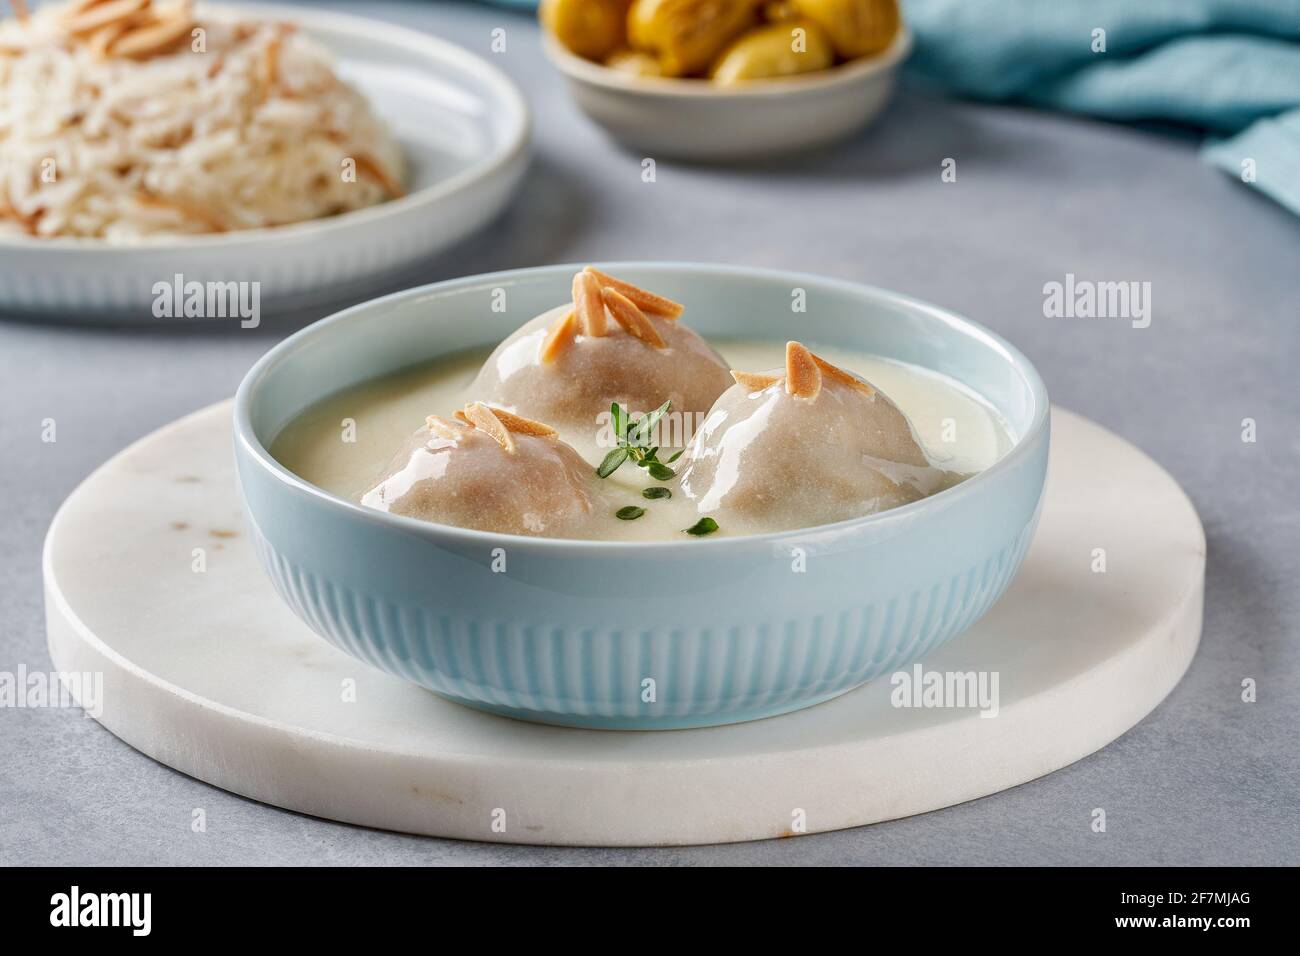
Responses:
[343,443]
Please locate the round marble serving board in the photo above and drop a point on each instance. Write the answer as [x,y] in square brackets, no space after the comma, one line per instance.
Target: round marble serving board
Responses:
[206,671]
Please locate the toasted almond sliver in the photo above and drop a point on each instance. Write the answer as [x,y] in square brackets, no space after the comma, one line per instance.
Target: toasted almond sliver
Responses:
[372,169]
[522,426]
[485,420]
[442,428]
[589,304]
[559,337]
[271,62]
[101,14]
[99,41]
[645,301]
[632,319]
[20,10]
[144,41]
[837,374]
[803,379]
[754,381]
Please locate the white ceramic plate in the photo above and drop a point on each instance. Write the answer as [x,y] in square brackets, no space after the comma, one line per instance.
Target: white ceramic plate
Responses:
[695,120]
[463,126]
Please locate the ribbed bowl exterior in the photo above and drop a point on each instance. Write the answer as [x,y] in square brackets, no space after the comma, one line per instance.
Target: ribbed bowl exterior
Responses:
[593,676]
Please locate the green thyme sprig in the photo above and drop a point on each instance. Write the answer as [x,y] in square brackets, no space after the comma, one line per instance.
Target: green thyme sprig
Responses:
[633,436]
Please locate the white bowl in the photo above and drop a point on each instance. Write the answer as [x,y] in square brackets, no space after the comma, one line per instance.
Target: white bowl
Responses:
[463,127]
[694,119]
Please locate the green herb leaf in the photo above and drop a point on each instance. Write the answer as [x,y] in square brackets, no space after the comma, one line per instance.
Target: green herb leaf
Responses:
[645,430]
[702,527]
[612,460]
[618,421]
[676,456]
[630,513]
[659,471]
[653,493]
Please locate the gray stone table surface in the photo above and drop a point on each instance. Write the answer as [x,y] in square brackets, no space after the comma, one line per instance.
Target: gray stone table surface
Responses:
[1206,778]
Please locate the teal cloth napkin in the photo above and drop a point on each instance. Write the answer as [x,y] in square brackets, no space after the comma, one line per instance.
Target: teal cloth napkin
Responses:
[1229,68]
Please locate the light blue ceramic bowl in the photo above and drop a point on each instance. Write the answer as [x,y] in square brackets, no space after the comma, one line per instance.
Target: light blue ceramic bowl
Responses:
[572,631]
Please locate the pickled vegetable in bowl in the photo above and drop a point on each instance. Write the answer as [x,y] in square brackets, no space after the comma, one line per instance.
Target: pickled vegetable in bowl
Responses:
[726,42]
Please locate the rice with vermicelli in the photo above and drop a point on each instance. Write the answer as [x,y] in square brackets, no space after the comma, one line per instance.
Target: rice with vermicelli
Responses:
[239,124]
